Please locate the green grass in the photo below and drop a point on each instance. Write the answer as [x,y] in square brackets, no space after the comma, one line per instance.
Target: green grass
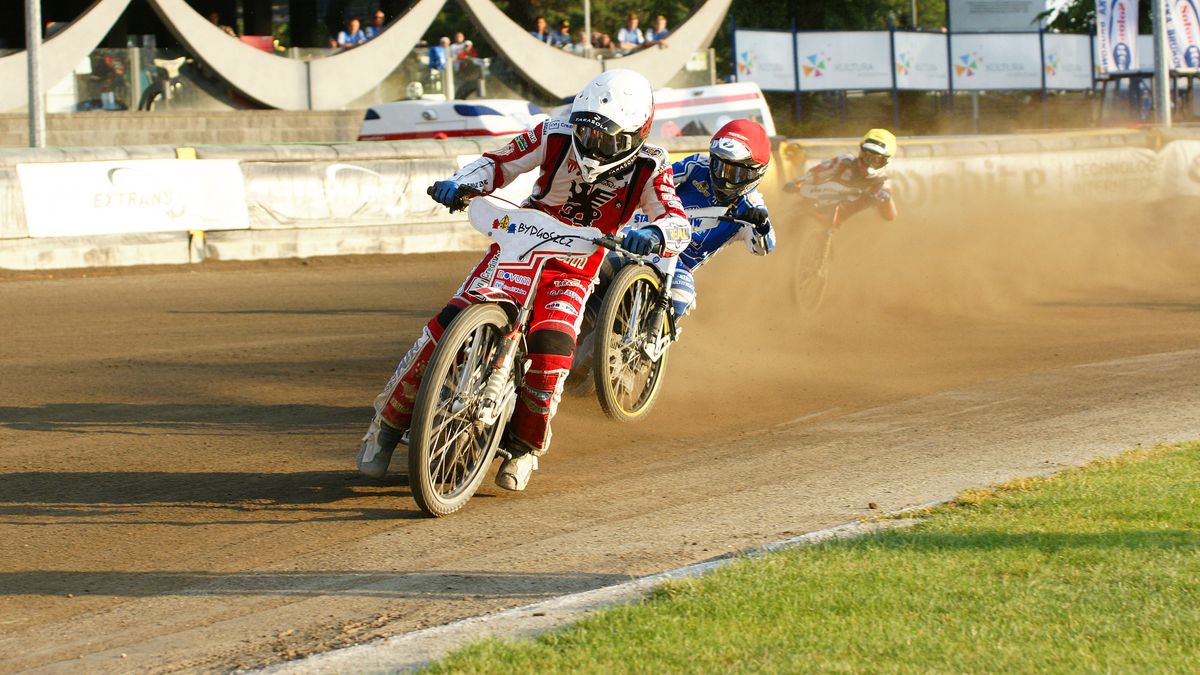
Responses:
[1094,570]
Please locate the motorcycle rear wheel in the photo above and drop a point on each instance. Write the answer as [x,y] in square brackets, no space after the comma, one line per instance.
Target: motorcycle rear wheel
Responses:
[627,381]
[450,452]
[812,271]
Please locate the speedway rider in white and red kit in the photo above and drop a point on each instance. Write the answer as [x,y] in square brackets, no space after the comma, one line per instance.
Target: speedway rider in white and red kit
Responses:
[859,182]
[594,170]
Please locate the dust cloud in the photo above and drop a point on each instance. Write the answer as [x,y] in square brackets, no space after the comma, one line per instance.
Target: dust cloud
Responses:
[940,297]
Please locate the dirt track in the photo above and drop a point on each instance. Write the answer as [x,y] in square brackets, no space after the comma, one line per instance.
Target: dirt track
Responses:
[176,446]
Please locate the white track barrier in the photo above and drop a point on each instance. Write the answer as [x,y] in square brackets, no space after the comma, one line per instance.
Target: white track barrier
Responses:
[62,208]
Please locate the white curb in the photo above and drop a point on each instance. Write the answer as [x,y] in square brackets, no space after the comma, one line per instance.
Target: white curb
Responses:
[410,651]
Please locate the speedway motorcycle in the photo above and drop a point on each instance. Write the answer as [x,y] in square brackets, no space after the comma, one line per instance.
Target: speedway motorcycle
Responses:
[821,203]
[469,390]
[628,328]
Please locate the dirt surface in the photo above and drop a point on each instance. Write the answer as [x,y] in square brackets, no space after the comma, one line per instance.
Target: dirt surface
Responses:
[176,445]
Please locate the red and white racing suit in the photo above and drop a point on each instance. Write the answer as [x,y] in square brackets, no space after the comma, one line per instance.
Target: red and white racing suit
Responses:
[869,189]
[565,283]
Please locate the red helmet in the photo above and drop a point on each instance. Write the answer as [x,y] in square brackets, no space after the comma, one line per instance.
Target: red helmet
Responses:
[737,159]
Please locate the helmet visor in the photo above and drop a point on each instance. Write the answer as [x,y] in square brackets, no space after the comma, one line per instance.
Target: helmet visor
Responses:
[600,144]
[732,173]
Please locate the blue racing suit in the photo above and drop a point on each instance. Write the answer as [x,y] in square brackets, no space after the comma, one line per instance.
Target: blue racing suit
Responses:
[708,235]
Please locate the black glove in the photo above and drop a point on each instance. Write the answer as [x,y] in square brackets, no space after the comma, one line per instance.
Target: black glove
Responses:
[755,215]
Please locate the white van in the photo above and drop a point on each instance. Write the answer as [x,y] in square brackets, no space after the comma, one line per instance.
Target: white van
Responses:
[677,112]
[441,119]
[703,110]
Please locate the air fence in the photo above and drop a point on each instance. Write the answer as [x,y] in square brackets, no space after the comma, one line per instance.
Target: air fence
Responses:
[64,208]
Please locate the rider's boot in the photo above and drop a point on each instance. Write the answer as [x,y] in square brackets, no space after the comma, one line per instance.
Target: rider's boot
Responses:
[379,444]
[516,471]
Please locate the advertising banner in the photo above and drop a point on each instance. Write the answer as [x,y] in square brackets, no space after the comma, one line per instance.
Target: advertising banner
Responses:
[996,61]
[1183,33]
[995,15]
[844,60]
[1116,34]
[921,61]
[766,58]
[1068,61]
[155,195]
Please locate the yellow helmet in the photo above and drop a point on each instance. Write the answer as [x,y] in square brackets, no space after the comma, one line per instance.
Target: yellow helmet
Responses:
[880,142]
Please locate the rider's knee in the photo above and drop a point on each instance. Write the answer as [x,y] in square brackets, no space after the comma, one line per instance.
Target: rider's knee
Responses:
[546,341]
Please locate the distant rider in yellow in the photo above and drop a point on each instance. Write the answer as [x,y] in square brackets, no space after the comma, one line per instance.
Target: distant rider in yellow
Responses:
[844,185]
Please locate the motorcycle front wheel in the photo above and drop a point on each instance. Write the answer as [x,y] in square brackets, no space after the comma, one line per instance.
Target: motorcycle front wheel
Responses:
[450,450]
[627,379]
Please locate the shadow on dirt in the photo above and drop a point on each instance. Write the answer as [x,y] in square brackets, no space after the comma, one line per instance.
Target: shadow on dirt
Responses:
[449,585]
[198,499]
[190,418]
[1146,306]
[350,311]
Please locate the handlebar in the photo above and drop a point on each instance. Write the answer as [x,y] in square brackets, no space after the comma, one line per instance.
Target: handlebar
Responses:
[461,198]
[762,228]
[616,243]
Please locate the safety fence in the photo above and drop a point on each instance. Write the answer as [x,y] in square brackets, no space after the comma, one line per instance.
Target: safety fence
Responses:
[63,208]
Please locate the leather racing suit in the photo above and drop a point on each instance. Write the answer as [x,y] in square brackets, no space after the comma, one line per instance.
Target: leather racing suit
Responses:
[691,175]
[565,283]
[841,187]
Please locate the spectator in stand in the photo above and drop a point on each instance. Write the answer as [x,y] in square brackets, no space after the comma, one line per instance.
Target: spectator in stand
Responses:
[541,32]
[376,26]
[215,19]
[467,51]
[659,31]
[602,41]
[630,37]
[456,46]
[562,38]
[439,55]
[353,35]
[580,48]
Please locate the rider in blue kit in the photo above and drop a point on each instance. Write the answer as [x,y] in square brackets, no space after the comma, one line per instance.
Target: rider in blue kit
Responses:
[727,177]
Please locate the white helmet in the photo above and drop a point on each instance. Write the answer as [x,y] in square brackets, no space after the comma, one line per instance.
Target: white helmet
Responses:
[610,120]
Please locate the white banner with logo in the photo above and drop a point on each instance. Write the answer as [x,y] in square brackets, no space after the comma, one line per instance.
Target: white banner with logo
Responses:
[1183,33]
[766,58]
[996,62]
[1116,34]
[844,60]
[158,195]
[921,62]
[995,15]
[1068,61]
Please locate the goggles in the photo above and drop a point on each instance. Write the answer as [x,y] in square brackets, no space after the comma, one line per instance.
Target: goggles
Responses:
[873,160]
[733,173]
[597,143]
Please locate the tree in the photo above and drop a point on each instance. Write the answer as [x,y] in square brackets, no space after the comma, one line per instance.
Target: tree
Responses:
[1079,16]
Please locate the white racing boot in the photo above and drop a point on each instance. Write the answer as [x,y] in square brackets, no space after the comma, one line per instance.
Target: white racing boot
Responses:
[514,473]
[377,449]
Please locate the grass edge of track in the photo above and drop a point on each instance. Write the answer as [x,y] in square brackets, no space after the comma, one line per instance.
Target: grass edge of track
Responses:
[1094,568]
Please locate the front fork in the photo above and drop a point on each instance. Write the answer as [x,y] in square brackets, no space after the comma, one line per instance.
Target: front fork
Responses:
[653,349]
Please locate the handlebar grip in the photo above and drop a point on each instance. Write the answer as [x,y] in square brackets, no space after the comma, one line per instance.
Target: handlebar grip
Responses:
[608,242]
[464,195]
